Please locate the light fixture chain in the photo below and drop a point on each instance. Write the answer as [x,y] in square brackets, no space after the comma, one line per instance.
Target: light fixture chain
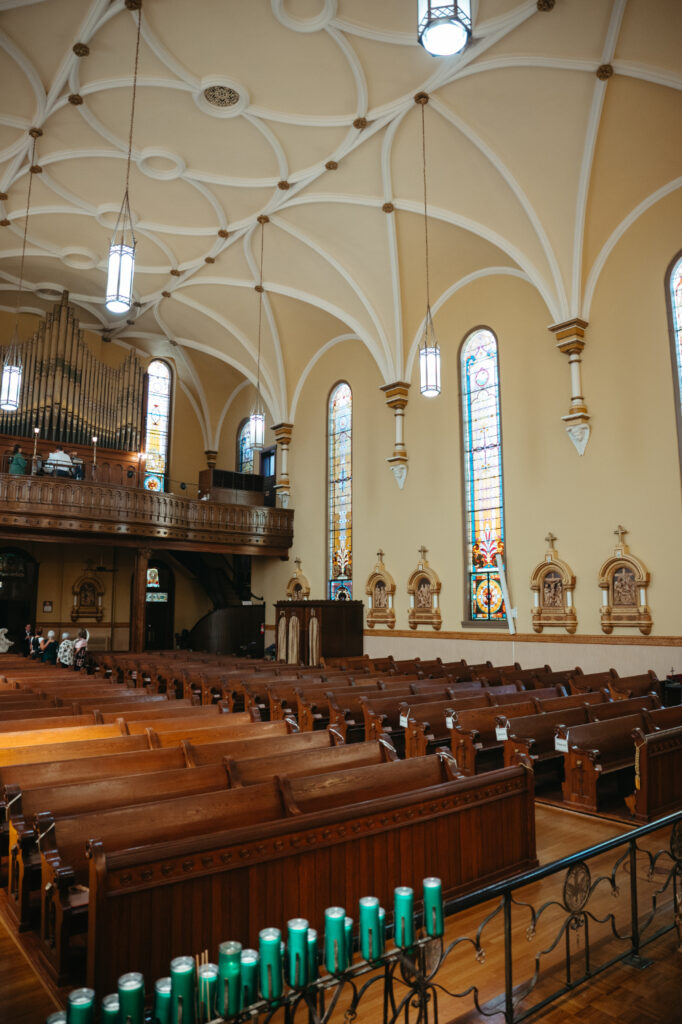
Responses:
[426,216]
[132,106]
[23,244]
[260,307]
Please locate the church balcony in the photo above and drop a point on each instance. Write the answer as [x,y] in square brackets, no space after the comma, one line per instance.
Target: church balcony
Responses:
[80,511]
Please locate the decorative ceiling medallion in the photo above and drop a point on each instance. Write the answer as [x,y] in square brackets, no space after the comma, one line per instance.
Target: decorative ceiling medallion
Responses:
[175,273]
[5,223]
[75,99]
[166,295]
[3,196]
[604,72]
[331,165]
[81,49]
[222,233]
[221,96]
[151,162]
[79,259]
[283,185]
[209,259]
[35,169]
[388,207]
[48,291]
[546,5]
[360,123]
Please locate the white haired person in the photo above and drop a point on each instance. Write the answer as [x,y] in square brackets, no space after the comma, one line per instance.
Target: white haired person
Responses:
[48,648]
[65,652]
[80,649]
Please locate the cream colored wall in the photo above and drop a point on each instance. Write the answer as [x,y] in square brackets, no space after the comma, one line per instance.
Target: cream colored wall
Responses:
[187,446]
[240,408]
[628,475]
[60,566]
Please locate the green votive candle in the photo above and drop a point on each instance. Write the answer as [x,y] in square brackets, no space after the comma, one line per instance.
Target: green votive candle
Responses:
[208,991]
[270,954]
[297,945]
[162,1001]
[109,1012]
[403,908]
[370,943]
[229,971]
[433,907]
[382,931]
[183,978]
[249,977]
[312,954]
[335,957]
[131,998]
[80,1008]
[57,1018]
[348,935]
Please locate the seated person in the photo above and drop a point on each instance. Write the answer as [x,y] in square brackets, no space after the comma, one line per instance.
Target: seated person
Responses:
[36,641]
[49,648]
[59,462]
[65,652]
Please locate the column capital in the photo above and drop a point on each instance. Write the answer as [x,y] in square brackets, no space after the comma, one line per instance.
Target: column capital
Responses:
[396,394]
[570,335]
[282,432]
[211,457]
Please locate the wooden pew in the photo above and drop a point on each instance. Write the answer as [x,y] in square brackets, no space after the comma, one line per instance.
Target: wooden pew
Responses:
[35,753]
[217,733]
[658,774]
[283,743]
[64,867]
[635,686]
[313,794]
[473,736]
[662,718]
[619,708]
[592,681]
[24,874]
[346,708]
[532,736]
[59,734]
[304,864]
[247,771]
[575,700]
[593,751]
[134,726]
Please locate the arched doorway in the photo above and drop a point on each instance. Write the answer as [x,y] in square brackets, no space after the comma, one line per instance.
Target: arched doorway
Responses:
[159,607]
[18,591]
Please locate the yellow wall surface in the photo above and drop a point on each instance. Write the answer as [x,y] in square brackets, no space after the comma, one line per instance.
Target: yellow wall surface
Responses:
[628,475]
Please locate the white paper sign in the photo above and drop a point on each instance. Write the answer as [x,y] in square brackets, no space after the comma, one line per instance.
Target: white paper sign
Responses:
[403,721]
[449,722]
[501,732]
[561,744]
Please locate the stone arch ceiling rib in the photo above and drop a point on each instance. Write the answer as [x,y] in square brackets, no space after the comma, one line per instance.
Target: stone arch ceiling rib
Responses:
[536,168]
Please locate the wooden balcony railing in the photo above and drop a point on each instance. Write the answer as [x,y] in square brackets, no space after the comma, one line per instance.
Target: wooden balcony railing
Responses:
[54,509]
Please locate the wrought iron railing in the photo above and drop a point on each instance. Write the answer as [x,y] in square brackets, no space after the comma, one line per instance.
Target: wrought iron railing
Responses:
[572,936]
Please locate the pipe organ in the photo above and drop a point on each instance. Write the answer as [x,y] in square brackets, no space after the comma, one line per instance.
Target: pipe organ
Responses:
[69,394]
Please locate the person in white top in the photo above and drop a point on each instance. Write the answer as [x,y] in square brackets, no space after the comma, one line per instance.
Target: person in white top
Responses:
[59,462]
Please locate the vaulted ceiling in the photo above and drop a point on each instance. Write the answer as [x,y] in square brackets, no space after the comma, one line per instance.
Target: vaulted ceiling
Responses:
[546,139]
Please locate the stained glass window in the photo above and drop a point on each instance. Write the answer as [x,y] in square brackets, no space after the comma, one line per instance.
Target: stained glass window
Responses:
[157,425]
[340,493]
[244,449]
[676,306]
[484,500]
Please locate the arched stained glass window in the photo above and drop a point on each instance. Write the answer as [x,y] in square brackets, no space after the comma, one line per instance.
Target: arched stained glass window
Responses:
[675,298]
[157,425]
[244,449]
[484,498]
[340,493]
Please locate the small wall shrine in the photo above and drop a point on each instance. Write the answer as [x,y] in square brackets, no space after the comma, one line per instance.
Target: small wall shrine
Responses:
[624,580]
[380,590]
[552,583]
[423,588]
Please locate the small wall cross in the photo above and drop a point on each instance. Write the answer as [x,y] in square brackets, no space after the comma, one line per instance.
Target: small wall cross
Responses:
[422,553]
[550,538]
[380,556]
[620,533]
[297,563]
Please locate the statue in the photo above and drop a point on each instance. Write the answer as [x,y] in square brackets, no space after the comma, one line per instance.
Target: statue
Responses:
[5,644]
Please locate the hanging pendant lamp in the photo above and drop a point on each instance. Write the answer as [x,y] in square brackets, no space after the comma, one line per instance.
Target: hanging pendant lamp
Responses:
[429,350]
[257,417]
[443,29]
[121,268]
[12,364]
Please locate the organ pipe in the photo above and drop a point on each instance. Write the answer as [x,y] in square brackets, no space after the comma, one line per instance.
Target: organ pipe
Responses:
[69,394]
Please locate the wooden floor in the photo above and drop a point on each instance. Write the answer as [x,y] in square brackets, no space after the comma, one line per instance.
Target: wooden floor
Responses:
[621,993]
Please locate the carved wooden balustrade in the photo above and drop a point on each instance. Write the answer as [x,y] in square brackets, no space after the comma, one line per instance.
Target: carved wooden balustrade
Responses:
[44,508]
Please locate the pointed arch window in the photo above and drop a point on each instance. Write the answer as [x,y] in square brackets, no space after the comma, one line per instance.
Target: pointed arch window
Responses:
[674,291]
[340,492]
[244,450]
[483,490]
[157,425]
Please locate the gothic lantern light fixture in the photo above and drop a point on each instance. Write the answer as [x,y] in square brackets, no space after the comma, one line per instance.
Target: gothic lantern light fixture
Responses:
[444,29]
[429,350]
[257,417]
[121,268]
[12,365]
